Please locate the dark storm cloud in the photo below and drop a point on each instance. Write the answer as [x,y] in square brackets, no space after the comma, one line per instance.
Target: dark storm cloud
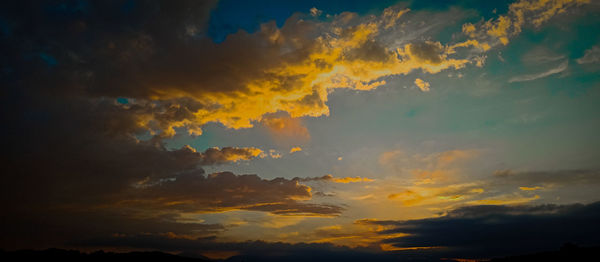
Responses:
[73,163]
[500,230]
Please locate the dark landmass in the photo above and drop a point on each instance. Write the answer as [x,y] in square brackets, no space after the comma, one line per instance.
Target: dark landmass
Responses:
[74,255]
[566,253]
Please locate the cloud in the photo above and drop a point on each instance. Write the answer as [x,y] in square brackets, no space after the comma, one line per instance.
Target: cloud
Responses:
[295,149]
[226,191]
[176,78]
[101,80]
[215,155]
[525,188]
[547,178]
[591,55]
[83,148]
[477,231]
[315,12]
[523,78]
[520,14]
[329,177]
[424,86]
[389,157]
[286,128]
[274,154]
[419,195]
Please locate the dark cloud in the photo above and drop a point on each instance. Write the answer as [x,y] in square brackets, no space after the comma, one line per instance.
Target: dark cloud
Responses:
[227,191]
[430,52]
[499,230]
[73,158]
[228,154]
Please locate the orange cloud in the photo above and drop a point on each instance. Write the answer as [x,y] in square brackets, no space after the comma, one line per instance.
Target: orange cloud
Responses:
[286,127]
[389,157]
[449,157]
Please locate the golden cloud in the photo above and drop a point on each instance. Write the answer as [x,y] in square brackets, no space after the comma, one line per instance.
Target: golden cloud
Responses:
[424,86]
[295,149]
[343,180]
[520,13]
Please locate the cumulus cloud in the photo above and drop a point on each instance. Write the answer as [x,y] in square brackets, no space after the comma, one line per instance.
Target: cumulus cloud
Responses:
[591,55]
[174,78]
[530,77]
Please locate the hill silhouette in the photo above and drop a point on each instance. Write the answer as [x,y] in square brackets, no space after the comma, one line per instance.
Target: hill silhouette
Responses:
[74,255]
[568,252]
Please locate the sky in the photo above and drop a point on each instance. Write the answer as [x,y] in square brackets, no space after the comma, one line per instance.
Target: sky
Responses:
[293,130]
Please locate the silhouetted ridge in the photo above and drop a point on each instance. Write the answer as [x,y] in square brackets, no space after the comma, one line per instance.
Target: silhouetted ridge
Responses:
[74,255]
[569,252]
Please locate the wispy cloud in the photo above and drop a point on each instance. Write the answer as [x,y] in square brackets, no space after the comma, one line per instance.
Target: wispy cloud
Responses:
[530,77]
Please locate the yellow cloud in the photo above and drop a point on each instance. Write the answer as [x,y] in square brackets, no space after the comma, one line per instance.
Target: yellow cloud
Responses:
[424,86]
[524,188]
[331,178]
[520,13]
[419,196]
[274,154]
[295,149]
[307,61]
[504,200]
[346,180]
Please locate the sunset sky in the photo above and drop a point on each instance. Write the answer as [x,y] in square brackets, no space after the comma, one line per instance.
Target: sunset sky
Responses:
[369,130]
